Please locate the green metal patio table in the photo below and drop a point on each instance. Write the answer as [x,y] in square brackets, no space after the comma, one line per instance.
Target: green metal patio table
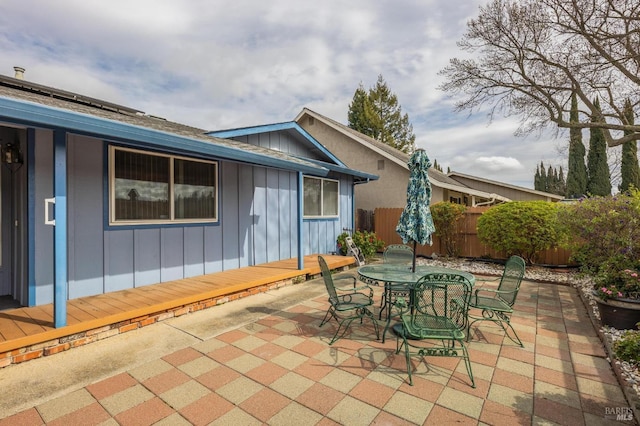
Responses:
[398,281]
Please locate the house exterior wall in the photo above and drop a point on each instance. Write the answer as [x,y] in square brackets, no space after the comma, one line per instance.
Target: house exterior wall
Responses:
[258,223]
[390,190]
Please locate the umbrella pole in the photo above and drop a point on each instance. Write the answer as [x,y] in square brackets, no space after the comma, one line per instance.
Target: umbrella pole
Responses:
[413,267]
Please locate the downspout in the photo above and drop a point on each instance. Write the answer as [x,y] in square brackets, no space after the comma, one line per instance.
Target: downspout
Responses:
[300,194]
[485,203]
[353,202]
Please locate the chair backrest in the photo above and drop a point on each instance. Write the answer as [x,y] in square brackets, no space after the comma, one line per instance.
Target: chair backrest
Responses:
[398,253]
[511,279]
[328,280]
[442,295]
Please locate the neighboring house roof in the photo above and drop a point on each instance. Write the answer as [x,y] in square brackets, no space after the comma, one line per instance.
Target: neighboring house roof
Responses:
[549,195]
[400,158]
[45,107]
[302,137]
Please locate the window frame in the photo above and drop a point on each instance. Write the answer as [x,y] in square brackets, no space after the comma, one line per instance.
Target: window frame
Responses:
[322,215]
[171,182]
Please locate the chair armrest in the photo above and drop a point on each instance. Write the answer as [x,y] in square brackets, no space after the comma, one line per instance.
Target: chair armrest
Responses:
[337,279]
[493,291]
[353,287]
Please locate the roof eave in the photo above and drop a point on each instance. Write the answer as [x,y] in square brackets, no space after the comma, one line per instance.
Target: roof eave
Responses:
[43,116]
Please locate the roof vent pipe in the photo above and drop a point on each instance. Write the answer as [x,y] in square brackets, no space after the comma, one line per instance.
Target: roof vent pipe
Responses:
[19,73]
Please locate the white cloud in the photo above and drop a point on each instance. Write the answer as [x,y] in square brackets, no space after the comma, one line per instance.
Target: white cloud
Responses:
[226,64]
[495,164]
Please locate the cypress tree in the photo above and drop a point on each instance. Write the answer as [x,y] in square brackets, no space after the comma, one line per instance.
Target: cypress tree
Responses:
[598,174]
[551,180]
[577,172]
[629,168]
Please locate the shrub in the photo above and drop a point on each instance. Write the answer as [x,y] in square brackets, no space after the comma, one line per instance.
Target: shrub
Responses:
[523,228]
[605,236]
[627,348]
[445,218]
[368,243]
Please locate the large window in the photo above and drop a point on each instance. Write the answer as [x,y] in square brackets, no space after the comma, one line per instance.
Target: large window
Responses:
[154,188]
[321,197]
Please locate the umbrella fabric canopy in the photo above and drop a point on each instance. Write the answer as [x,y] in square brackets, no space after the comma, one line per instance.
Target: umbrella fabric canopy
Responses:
[416,223]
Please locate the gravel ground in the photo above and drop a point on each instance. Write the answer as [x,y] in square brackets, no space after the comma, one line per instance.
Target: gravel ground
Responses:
[628,373]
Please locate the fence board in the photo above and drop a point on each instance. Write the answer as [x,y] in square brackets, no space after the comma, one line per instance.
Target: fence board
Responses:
[386,219]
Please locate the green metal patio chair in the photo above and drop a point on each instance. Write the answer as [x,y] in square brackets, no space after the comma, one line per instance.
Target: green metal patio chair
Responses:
[497,304]
[398,254]
[435,319]
[395,254]
[346,303]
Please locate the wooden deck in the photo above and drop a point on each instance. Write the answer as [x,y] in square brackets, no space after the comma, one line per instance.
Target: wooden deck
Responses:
[23,329]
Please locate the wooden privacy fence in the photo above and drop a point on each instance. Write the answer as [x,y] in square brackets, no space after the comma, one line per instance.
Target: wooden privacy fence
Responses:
[468,243]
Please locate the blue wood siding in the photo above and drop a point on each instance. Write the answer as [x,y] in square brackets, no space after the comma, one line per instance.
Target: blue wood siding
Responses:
[281,141]
[171,245]
[258,221]
[194,250]
[84,229]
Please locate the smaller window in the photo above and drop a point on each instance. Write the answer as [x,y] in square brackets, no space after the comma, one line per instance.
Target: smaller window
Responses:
[380,164]
[321,197]
[312,121]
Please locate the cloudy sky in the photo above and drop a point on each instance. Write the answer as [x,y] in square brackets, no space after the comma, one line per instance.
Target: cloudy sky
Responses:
[227,64]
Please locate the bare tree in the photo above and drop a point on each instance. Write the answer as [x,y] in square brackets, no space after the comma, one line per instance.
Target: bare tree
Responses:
[528,56]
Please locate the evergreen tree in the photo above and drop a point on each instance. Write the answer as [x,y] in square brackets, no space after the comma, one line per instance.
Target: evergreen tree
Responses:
[550,184]
[549,179]
[629,168]
[577,172]
[437,166]
[357,114]
[377,114]
[598,175]
[540,181]
[562,184]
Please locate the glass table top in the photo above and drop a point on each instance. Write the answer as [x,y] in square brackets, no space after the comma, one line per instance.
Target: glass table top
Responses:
[392,273]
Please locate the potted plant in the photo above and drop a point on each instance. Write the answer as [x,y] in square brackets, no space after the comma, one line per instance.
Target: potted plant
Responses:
[618,300]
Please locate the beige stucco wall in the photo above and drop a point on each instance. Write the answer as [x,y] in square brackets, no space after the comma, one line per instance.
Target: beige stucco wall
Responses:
[390,190]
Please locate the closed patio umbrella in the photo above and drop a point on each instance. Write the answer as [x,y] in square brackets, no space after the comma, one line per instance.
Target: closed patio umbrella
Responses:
[416,223]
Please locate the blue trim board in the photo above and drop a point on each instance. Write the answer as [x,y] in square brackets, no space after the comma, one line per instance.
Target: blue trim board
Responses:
[300,220]
[60,229]
[54,118]
[31,219]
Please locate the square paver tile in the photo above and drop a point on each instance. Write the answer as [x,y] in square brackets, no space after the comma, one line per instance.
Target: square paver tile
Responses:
[65,404]
[291,385]
[351,411]
[239,390]
[292,414]
[461,402]
[184,394]
[408,407]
